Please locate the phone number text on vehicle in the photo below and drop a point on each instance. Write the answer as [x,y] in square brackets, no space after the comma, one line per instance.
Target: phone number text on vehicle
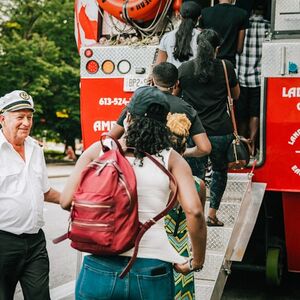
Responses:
[113,101]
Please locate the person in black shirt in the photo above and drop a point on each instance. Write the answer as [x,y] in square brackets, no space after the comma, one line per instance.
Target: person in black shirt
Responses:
[202,83]
[230,23]
[165,77]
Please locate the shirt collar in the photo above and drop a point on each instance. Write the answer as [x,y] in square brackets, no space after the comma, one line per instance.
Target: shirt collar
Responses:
[3,139]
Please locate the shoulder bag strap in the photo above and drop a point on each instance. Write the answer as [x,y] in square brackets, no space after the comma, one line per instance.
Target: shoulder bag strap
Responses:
[230,101]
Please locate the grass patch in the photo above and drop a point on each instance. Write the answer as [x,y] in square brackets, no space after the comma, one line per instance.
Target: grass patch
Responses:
[53,156]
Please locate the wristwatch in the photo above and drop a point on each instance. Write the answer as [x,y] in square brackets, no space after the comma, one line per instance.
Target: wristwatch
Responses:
[191,266]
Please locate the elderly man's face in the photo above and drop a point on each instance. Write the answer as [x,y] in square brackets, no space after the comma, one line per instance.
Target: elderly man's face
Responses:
[16,125]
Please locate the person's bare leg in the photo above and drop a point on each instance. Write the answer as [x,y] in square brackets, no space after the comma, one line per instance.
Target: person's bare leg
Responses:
[202,193]
[212,213]
[212,219]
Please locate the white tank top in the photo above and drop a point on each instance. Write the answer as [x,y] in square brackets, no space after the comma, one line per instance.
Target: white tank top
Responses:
[153,194]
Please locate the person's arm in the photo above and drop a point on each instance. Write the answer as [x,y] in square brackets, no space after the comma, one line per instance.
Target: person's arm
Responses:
[202,148]
[117,131]
[233,81]
[200,22]
[240,41]
[52,196]
[197,132]
[85,158]
[191,205]
[162,56]
[242,31]
[235,92]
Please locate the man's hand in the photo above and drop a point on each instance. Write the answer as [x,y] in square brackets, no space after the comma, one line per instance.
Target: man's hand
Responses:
[52,196]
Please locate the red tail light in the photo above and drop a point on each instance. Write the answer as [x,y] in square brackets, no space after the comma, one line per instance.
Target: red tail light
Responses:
[88,53]
[92,66]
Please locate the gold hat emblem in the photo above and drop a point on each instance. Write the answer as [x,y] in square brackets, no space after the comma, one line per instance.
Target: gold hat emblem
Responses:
[24,95]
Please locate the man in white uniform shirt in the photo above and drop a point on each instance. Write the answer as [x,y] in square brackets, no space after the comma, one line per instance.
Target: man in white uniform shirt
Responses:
[23,188]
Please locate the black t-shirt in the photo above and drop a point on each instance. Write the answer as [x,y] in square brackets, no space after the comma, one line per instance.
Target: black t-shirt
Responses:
[209,99]
[227,20]
[177,105]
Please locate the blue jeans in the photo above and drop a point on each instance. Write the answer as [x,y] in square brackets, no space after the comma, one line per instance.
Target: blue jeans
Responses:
[148,279]
[219,163]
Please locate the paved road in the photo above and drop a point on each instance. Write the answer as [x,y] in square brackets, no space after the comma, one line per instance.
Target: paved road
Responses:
[241,285]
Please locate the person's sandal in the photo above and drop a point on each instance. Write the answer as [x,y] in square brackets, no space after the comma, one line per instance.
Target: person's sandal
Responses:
[214,222]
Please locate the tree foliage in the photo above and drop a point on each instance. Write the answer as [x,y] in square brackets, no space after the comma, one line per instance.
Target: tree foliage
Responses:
[38,54]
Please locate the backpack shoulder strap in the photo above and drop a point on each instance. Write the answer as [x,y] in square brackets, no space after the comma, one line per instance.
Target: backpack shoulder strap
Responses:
[105,148]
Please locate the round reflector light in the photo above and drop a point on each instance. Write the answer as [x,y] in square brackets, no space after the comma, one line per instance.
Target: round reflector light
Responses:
[88,53]
[92,66]
[108,67]
[124,66]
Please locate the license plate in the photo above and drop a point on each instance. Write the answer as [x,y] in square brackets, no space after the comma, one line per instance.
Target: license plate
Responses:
[132,82]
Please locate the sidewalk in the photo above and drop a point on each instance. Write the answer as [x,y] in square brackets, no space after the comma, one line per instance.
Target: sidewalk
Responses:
[63,169]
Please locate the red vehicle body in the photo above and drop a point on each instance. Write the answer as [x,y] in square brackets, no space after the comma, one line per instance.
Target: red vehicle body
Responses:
[280,168]
[103,95]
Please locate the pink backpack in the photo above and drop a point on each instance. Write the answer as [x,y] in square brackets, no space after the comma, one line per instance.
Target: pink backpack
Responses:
[104,214]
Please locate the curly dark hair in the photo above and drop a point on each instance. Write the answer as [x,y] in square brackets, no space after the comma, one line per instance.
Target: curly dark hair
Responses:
[147,134]
[208,40]
[178,143]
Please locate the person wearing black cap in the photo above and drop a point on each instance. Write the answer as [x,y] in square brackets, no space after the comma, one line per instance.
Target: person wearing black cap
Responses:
[146,130]
[24,187]
[180,45]
[165,79]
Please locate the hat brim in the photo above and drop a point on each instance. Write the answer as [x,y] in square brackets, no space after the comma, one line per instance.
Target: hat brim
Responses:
[21,107]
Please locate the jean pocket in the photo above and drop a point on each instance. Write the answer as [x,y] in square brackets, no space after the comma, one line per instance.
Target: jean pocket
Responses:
[95,283]
[156,286]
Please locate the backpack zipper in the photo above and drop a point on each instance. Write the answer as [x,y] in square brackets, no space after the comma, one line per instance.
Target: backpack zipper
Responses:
[90,225]
[92,205]
[127,192]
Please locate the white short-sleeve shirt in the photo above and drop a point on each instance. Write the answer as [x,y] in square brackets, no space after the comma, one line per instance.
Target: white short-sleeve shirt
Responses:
[22,187]
[167,44]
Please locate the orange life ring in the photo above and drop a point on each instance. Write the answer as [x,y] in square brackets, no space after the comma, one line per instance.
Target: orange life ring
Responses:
[137,10]
[176,5]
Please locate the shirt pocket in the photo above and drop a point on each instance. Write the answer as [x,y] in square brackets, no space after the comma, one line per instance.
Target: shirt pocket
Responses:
[38,175]
[10,181]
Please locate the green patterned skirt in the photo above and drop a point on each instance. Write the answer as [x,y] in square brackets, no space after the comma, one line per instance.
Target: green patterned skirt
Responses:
[175,222]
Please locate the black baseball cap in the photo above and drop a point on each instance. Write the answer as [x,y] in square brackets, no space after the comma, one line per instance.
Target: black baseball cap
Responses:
[144,97]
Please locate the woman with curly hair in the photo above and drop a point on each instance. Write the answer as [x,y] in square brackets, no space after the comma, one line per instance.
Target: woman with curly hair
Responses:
[180,45]
[146,130]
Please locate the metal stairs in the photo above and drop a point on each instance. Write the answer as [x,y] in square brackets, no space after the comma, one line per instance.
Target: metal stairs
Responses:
[238,210]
